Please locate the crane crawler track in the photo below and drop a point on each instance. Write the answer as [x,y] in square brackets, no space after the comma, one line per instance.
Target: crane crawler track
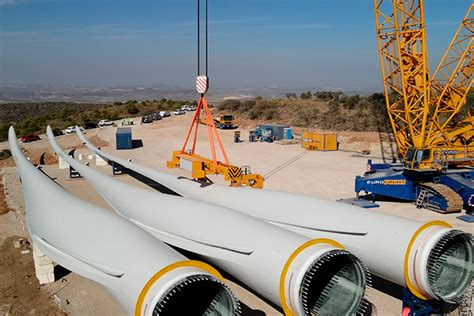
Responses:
[453,200]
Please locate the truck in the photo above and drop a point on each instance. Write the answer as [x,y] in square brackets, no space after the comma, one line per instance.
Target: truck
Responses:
[222,121]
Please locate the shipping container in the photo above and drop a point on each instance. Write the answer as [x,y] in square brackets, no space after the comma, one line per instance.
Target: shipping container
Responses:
[277,130]
[319,141]
[287,133]
[123,137]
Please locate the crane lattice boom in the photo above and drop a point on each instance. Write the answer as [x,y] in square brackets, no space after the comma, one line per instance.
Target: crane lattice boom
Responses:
[402,46]
[451,84]
[422,111]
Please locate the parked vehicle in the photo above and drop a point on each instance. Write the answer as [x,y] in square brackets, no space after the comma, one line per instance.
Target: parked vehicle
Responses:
[179,112]
[156,116]
[90,125]
[103,123]
[57,132]
[165,114]
[147,119]
[72,129]
[30,138]
[188,107]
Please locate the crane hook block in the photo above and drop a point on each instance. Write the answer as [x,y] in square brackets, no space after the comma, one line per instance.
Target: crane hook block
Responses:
[202,84]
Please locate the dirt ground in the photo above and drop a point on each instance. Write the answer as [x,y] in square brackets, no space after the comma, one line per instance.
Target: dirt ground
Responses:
[21,294]
[329,175]
[41,153]
[4,209]
[20,291]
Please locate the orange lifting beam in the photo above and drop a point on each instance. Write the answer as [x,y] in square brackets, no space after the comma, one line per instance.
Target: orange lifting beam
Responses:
[200,166]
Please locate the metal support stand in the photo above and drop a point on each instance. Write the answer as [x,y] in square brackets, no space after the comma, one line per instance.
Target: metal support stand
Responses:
[469,217]
[73,174]
[118,169]
[413,306]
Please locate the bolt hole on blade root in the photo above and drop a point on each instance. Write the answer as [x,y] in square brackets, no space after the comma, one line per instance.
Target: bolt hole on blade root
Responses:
[201,295]
[450,266]
[335,285]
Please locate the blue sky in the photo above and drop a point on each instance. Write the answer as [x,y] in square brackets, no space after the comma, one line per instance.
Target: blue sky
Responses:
[288,43]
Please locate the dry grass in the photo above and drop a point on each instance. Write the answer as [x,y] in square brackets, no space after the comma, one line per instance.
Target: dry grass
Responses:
[340,114]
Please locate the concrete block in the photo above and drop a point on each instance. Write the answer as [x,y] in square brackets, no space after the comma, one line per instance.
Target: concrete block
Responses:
[48,268]
[62,164]
[42,261]
[99,161]
[17,243]
[80,156]
[45,278]
[44,269]
[44,266]
[50,277]
[90,157]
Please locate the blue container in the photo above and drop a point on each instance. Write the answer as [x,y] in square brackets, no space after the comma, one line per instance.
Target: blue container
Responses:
[287,133]
[277,130]
[123,137]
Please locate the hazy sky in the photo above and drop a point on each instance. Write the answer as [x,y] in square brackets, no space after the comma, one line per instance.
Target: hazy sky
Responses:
[289,43]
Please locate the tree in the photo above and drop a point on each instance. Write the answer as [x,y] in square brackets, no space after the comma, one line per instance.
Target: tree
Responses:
[132,109]
[327,95]
[113,116]
[351,101]
[306,95]
[4,131]
[84,117]
[65,113]
[230,105]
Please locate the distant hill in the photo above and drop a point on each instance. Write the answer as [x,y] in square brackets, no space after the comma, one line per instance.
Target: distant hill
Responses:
[15,112]
[322,110]
[15,94]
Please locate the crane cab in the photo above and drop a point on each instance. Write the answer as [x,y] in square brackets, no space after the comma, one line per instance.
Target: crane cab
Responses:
[418,159]
[437,159]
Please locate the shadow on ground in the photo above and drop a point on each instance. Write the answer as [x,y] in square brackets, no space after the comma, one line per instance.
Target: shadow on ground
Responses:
[137,143]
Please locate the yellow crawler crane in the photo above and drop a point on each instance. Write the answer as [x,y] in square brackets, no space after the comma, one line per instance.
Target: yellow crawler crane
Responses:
[431,125]
[424,113]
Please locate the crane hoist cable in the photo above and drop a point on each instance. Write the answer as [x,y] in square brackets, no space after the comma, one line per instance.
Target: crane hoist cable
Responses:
[202,86]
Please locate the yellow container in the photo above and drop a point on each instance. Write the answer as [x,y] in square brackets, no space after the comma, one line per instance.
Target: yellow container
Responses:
[319,141]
